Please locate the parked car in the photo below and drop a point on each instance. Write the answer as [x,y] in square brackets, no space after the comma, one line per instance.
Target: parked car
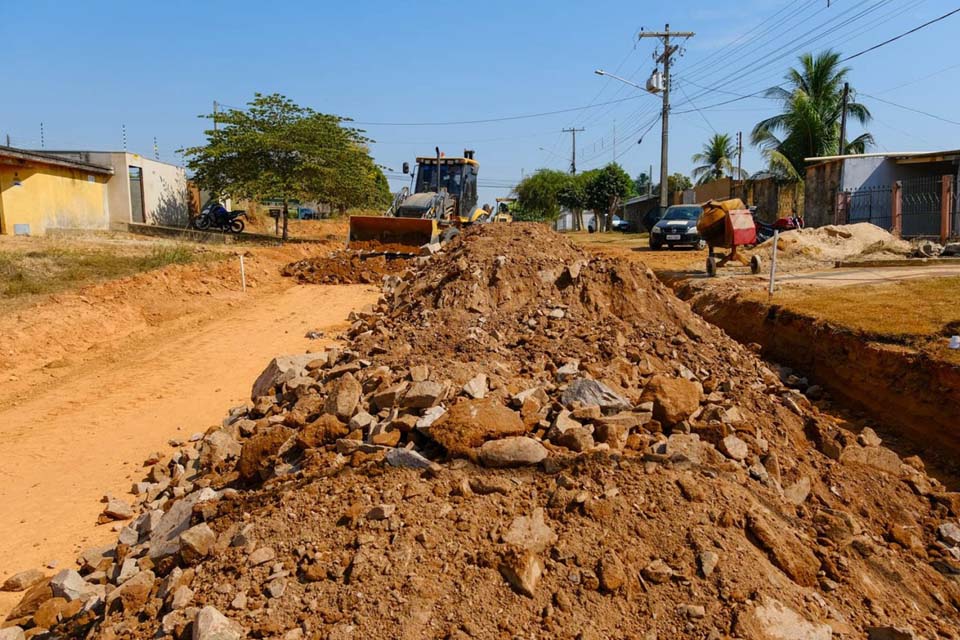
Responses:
[619,224]
[678,226]
[652,217]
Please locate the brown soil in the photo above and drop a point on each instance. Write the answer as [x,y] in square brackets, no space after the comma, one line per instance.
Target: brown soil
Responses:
[97,379]
[794,513]
[345,267]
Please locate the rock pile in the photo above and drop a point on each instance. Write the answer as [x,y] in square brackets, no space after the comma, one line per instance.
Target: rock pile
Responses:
[346,266]
[521,441]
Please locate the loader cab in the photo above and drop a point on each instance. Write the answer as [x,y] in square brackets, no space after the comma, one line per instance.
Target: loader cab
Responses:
[458,176]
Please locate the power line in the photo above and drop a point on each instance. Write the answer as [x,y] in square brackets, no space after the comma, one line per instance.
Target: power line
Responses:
[925,113]
[905,33]
[487,120]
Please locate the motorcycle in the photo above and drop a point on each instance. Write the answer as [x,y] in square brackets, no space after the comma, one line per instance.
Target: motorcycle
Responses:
[765,230]
[214,215]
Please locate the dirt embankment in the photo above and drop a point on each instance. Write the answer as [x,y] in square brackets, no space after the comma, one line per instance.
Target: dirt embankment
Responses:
[907,389]
[522,440]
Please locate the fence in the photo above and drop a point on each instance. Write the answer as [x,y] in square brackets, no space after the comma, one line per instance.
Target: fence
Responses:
[924,207]
[869,204]
[921,206]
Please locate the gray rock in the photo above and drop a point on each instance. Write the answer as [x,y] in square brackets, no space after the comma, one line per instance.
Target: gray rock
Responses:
[949,533]
[280,370]
[422,395]
[515,451]
[165,537]
[129,535]
[117,509]
[344,397]
[196,542]
[408,458]
[262,555]
[586,392]
[530,533]
[797,492]
[708,562]
[430,416]
[692,611]
[362,421]
[125,571]
[869,438]
[23,580]
[476,387]
[11,633]
[773,620]
[70,585]
[568,370]
[210,624]
[181,597]
[217,448]
[734,448]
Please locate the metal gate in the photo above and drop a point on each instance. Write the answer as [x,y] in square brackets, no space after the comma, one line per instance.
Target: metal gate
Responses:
[869,204]
[920,206]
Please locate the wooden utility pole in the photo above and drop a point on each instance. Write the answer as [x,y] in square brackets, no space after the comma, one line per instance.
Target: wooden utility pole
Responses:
[842,151]
[740,162]
[668,51]
[573,155]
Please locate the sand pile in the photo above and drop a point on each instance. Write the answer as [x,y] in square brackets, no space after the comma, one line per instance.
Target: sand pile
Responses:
[345,266]
[823,246]
[520,441]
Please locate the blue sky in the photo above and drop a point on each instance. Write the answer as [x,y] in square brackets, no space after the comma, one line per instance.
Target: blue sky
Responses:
[85,69]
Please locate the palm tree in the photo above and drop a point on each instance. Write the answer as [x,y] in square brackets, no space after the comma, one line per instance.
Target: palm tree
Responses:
[716,159]
[809,124]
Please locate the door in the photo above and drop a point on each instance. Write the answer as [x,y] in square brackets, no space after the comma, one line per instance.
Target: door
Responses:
[136,195]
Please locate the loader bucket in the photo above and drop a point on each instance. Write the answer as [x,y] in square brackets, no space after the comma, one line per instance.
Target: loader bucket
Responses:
[387,231]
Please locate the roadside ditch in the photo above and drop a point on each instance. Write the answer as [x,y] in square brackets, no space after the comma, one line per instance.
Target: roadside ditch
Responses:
[909,396]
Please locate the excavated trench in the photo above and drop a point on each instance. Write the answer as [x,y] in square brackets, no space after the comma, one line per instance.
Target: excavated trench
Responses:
[912,397]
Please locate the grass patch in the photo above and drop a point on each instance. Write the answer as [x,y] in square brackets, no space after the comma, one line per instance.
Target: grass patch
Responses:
[51,270]
[898,311]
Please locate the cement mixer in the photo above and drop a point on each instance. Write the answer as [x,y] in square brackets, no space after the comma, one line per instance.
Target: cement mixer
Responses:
[728,224]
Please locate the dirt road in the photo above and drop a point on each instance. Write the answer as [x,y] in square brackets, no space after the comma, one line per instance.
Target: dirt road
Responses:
[88,432]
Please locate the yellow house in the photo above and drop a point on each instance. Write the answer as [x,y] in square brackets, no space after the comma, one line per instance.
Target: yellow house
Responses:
[40,191]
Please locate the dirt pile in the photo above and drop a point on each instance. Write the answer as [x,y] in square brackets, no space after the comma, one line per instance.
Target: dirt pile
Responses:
[824,246]
[345,266]
[520,440]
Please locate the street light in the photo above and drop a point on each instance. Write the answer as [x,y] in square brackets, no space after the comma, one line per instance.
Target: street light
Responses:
[601,72]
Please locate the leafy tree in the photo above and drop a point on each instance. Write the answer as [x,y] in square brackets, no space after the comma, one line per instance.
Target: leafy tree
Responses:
[573,196]
[605,191]
[675,182]
[276,149]
[642,183]
[537,194]
[809,124]
[716,159]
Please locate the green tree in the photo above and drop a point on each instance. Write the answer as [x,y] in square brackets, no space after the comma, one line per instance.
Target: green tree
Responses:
[276,149]
[538,194]
[716,160]
[606,190]
[675,182]
[809,123]
[642,183]
[573,196]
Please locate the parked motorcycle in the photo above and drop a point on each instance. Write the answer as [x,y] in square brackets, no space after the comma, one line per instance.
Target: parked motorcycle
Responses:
[765,230]
[215,216]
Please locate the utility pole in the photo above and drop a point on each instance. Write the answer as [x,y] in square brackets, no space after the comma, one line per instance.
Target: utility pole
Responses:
[740,161]
[42,145]
[614,140]
[573,156]
[214,115]
[668,51]
[843,119]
